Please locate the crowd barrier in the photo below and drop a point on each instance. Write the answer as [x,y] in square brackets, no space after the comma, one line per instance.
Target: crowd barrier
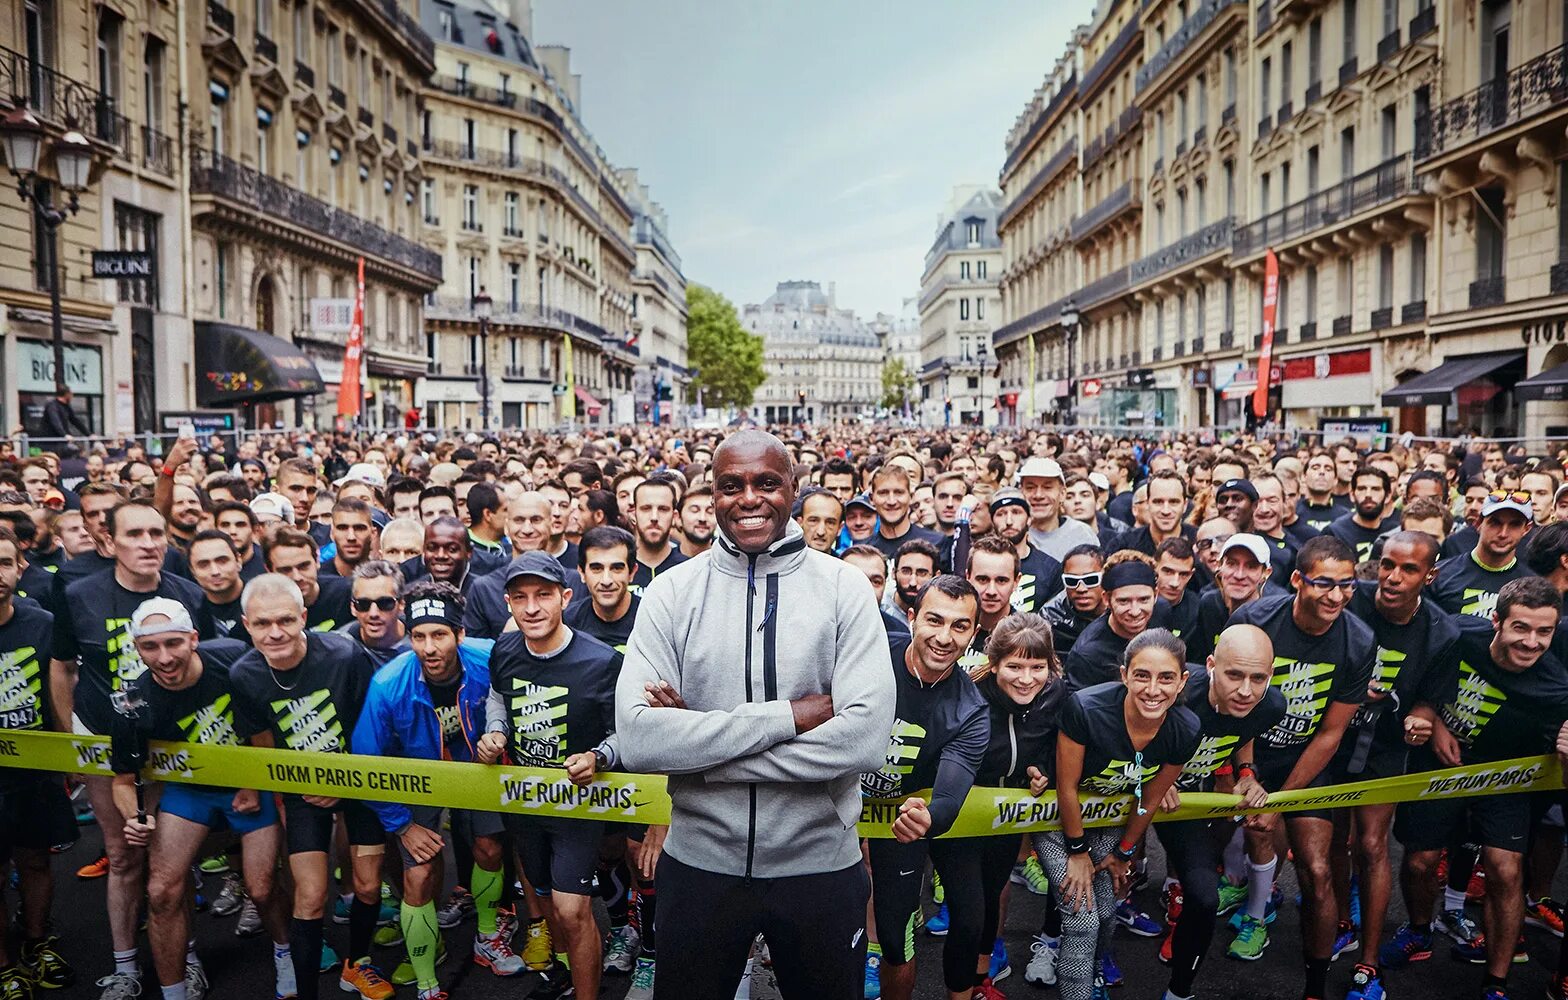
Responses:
[641,798]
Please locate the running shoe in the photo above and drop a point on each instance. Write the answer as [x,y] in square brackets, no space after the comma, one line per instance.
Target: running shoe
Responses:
[403,975]
[537,953]
[342,908]
[120,986]
[389,936]
[1232,896]
[1406,946]
[1557,989]
[330,962]
[1168,946]
[45,966]
[987,991]
[92,870]
[1494,993]
[365,979]
[1136,921]
[249,924]
[873,988]
[1100,990]
[556,985]
[937,924]
[1457,925]
[1250,941]
[458,907]
[285,985]
[434,993]
[495,954]
[642,982]
[1041,970]
[620,954]
[195,981]
[218,864]
[1031,876]
[1545,914]
[14,984]
[1270,911]
[1476,890]
[1475,951]
[1109,970]
[1171,899]
[1347,938]
[230,897]
[1366,984]
[1000,970]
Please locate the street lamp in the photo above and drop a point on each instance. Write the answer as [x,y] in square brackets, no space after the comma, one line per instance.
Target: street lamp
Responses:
[1070,334]
[982,351]
[947,395]
[482,305]
[25,142]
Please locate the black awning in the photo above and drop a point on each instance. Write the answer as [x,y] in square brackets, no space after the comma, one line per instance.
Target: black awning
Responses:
[235,364]
[1436,387]
[1551,384]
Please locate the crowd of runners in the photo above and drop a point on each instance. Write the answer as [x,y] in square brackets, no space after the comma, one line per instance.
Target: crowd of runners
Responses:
[1082,613]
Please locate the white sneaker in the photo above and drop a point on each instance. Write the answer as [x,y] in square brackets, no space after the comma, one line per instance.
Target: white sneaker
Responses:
[195,981]
[642,981]
[124,986]
[230,897]
[743,991]
[283,975]
[1042,964]
[620,954]
[495,954]
[249,923]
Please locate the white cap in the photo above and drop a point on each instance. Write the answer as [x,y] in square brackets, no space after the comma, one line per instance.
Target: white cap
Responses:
[179,617]
[273,505]
[1099,481]
[362,472]
[1041,468]
[471,438]
[1252,543]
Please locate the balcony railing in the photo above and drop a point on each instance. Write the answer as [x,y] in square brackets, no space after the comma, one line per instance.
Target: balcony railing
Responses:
[157,151]
[1559,281]
[1308,331]
[1286,112]
[455,307]
[473,91]
[1265,126]
[1040,318]
[304,75]
[1121,126]
[1487,292]
[1046,113]
[512,232]
[1227,340]
[1314,93]
[1123,199]
[55,98]
[1197,345]
[1383,318]
[1412,312]
[1104,288]
[1388,45]
[472,225]
[1348,70]
[365,117]
[1382,184]
[407,27]
[217,175]
[388,133]
[1131,32]
[1052,166]
[1538,85]
[336,97]
[1210,239]
[1184,36]
[266,48]
[220,17]
[1341,326]
[1424,23]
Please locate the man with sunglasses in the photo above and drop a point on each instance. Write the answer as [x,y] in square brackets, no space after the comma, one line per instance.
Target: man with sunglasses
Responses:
[1133,605]
[1469,584]
[377,605]
[1323,662]
[1039,576]
[1082,599]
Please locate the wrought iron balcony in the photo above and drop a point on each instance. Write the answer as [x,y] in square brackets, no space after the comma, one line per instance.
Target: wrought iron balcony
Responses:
[1195,24]
[472,369]
[220,17]
[472,225]
[1104,288]
[1308,331]
[56,99]
[1286,112]
[1380,185]
[1016,152]
[1314,93]
[266,48]
[157,151]
[1123,199]
[1210,239]
[304,75]
[1197,345]
[1265,126]
[1539,85]
[365,117]
[336,97]
[225,179]
[512,232]
[1383,318]
[1052,166]
[1388,45]
[1227,340]
[388,133]
[1349,70]
[1559,282]
[1487,292]
[1131,32]
[1423,24]
[1413,312]
[1341,326]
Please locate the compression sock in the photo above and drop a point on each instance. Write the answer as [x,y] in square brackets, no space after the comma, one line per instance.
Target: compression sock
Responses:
[647,912]
[305,947]
[362,919]
[1317,978]
[420,937]
[612,889]
[125,962]
[1236,859]
[487,892]
[1260,885]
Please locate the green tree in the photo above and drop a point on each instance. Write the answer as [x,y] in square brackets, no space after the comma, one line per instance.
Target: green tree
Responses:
[728,358]
[898,383]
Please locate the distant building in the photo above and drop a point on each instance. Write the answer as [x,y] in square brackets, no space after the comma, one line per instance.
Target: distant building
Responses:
[822,362]
[960,305]
[900,336]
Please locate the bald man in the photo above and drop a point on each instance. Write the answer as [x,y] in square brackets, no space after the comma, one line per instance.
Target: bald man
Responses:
[764,751]
[1234,702]
[528,528]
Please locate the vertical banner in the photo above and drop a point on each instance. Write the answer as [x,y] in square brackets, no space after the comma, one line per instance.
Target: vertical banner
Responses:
[1260,395]
[350,396]
[569,406]
[1029,416]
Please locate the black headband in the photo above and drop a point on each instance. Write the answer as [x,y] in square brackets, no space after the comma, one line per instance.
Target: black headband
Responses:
[1127,574]
[431,609]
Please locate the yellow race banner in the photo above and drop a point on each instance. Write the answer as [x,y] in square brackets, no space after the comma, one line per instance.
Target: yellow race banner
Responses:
[642,798]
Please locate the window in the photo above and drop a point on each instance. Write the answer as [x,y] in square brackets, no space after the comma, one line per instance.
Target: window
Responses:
[1265,83]
[1230,304]
[110,28]
[1230,77]
[473,350]
[514,294]
[1418,264]
[263,143]
[511,147]
[963,270]
[1345,290]
[1491,232]
[1281,304]
[1310,306]
[218,117]
[334,58]
[1347,153]
[430,347]
[1350,30]
[1284,183]
[973,227]
[1390,136]
[1230,188]
[1159,134]
[1264,192]
[514,354]
[445,23]
[980,269]
[1313,158]
[1203,100]
[1315,52]
[1201,307]
[963,308]
[472,264]
[1181,319]
[980,308]
[1181,116]
[427,200]
[1181,212]
[1423,110]
[1385,276]
[1200,204]
[300,28]
[512,228]
[302,159]
[264,17]
[1287,57]
[470,138]
[1390,17]
[221,263]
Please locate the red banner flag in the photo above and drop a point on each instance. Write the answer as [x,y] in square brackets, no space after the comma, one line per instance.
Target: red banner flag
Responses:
[350,396]
[1260,395]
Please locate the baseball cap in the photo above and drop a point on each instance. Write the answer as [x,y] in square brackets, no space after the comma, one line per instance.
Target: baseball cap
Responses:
[861,500]
[1043,468]
[1558,496]
[1008,496]
[179,617]
[537,564]
[54,498]
[1099,481]
[362,472]
[273,505]
[1243,486]
[1516,500]
[1252,543]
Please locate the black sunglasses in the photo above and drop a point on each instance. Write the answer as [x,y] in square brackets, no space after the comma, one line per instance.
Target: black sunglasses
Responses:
[362,604]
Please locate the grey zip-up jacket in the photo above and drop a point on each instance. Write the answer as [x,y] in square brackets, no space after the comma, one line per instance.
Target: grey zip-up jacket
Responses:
[739,636]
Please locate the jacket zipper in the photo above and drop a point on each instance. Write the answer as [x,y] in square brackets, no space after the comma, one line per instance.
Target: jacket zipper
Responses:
[751,594]
[1012,741]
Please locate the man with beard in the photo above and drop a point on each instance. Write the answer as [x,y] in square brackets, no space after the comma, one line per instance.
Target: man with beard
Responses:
[1362,526]
[697,526]
[820,516]
[353,537]
[860,520]
[892,494]
[1082,600]
[1470,583]
[1322,503]
[1040,480]
[1129,582]
[235,519]
[870,562]
[767,831]
[1165,504]
[1243,576]
[913,568]
[1174,565]
[1039,577]
[993,572]
[186,510]
[215,566]
[654,511]
[560,500]
[377,603]
[605,557]
[840,479]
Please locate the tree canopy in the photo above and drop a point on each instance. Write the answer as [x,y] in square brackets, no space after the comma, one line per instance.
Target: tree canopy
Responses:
[728,358]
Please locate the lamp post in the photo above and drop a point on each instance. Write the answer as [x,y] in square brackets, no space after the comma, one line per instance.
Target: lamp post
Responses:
[25,143]
[947,395]
[482,307]
[1070,334]
[982,351]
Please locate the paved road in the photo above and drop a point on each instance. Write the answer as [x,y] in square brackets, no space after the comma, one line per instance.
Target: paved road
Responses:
[242,969]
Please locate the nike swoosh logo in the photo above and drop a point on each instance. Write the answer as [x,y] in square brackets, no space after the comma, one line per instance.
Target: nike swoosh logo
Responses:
[910,872]
[856,939]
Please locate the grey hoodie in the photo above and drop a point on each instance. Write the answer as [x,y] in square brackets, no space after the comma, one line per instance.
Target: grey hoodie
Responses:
[739,636]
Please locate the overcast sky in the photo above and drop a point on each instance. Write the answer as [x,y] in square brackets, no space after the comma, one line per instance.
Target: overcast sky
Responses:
[814,139]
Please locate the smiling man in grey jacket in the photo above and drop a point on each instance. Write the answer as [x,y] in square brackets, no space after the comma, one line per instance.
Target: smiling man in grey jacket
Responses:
[756,678]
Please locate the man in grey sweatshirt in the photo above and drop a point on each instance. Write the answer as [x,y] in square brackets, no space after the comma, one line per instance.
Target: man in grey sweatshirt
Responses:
[763,741]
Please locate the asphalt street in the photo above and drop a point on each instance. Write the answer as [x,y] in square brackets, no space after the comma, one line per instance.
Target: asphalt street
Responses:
[242,968]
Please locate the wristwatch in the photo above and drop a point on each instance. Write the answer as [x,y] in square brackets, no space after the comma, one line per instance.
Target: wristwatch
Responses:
[600,761]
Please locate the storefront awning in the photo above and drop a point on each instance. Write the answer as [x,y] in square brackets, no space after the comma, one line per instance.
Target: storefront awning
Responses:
[1239,390]
[1551,384]
[1437,387]
[239,365]
[585,397]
